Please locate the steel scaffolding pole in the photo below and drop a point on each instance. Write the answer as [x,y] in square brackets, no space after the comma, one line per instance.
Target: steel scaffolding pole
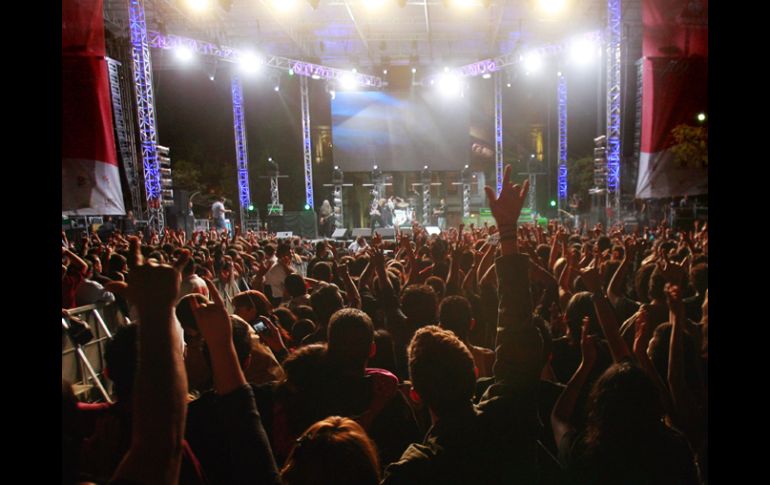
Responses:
[145,105]
[498,131]
[308,154]
[614,28]
[561,94]
[241,149]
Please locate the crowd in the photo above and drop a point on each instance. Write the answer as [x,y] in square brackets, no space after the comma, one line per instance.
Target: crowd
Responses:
[508,353]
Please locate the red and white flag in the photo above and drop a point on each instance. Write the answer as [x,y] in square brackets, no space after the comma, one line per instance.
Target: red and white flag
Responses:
[90,173]
[675,91]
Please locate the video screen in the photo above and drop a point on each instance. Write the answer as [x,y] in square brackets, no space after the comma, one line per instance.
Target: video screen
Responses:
[401,131]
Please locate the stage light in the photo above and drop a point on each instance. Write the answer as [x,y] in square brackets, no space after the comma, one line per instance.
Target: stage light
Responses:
[198,5]
[486,75]
[348,81]
[425,167]
[336,167]
[466,165]
[414,70]
[291,72]
[332,94]
[315,76]
[532,62]
[211,77]
[251,207]
[553,203]
[249,62]
[284,6]
[450,84]
[373,4]
[376,167]
[508,85]
[276,88]
[385,71]
[307,207]
[552,7]
[582,51]
[463,3]
[183,53]
[701,117]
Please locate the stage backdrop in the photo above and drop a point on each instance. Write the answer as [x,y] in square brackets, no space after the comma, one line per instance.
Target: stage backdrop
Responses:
[675,90]
[90,175]
[400,131]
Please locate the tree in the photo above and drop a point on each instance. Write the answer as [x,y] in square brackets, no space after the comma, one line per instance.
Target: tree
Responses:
[580,176]
[186,176]
[691,146]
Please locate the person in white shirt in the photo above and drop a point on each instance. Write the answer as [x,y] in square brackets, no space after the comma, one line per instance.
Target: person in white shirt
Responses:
[218,212]
[276,275]
[89,292]
[358,245]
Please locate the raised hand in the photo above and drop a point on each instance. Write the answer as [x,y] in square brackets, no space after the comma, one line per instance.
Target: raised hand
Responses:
[212,318]
[641,335]
[587,345]
[506,208]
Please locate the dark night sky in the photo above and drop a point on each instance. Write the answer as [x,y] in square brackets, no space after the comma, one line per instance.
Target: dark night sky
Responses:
[194,117]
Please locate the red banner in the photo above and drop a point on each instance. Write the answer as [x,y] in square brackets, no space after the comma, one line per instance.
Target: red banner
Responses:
[674,92]
[90,175]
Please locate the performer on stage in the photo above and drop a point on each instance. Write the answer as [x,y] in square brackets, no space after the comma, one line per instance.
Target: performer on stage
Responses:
[218,212]
[387,213]
[326,226]
[375,214]
[440,213]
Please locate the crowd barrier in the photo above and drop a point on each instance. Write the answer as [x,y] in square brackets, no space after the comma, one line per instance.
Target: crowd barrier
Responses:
[83,363]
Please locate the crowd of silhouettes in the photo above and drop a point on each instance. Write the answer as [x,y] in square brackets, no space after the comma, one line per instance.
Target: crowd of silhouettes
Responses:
[507,353]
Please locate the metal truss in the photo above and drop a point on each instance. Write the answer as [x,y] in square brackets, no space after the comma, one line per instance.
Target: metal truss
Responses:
[426,209]
[499,132]
[275,198]
[241,149]
[561,94]
[306,147]
[125,137]
[466,200]
[614,28]
[337,201]
[140,50]
[301,68]
[494,64]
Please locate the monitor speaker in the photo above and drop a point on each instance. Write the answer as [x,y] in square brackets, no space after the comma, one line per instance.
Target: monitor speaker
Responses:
[362,231]
[340,233]
[387,232]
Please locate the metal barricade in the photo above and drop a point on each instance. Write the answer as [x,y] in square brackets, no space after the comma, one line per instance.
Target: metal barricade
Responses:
[83,365]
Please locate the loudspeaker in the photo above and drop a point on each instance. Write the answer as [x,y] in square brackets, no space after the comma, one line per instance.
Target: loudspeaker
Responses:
[431,230]
[301,223]
[340,233]
[387,232]
[361,231]
[406,231]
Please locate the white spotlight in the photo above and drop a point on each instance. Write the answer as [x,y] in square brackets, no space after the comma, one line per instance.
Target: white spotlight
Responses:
[375,167]
[463,3]
[508,85]
[183,53]
[486,75]
[552,7]
[315,76]
[414,70]
[198,5]
[450,84]
[249,62]
[701,117]
[582,51]
[284,6]
[348,81]
[332,94]
[373,4]
[385,71]
[532,62]
[277,88]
